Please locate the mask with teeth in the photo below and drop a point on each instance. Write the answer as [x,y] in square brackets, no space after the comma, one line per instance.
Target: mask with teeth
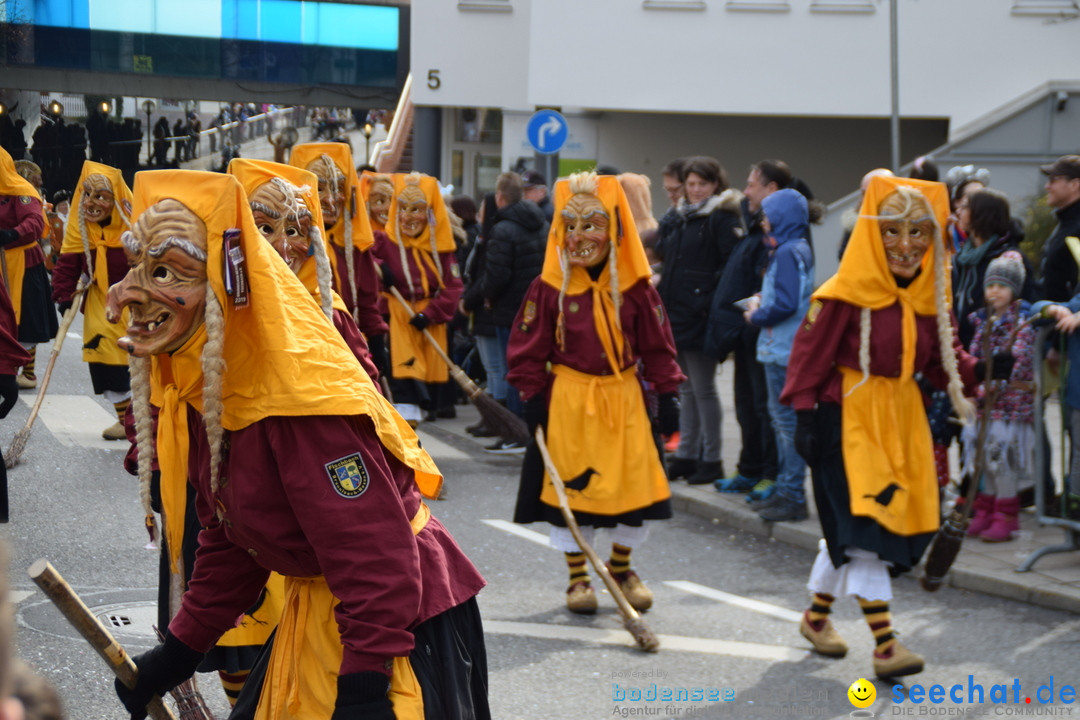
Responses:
[331,188]
[379,197]
[97,200]
[412,211]
[283,219]
[165,289]
[907,229]
[587,224]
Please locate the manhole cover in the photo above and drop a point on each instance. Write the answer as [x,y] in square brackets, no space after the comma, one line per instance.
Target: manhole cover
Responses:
[130,619]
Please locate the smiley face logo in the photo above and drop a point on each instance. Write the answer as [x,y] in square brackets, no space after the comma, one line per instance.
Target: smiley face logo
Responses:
[862,693]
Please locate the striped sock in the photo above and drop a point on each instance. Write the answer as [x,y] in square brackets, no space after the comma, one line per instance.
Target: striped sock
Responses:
[879,619]
[576,563]
[820,607]
[121,408]
[233,684]
[620,559]
[28,368]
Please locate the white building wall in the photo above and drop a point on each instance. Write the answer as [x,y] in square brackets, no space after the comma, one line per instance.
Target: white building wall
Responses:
[958,58]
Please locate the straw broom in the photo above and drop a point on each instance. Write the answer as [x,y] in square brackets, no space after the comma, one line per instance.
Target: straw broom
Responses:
[495,417]
[950,535]
[67,602]
[18,443]
[643,635]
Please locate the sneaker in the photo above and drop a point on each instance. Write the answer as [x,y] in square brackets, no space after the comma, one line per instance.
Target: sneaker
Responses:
[767,500]
[707,472]
[784,510]
[506,447]
[826,641]
[762,491]
[25,382]
[480,430]
[114,432]
[672,443]
[738,483]
[581,598]
[637,593]
[899,662]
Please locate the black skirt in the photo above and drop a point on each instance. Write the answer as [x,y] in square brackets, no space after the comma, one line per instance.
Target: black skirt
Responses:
[530,508]
[109,377]
[37,321]
[840,528]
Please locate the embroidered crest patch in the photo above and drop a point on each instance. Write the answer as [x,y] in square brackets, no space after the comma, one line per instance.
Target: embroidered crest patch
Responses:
[812,313]
[348,476]
[659,310]
[25,199]
[574,307]
[455,270]
[529,313]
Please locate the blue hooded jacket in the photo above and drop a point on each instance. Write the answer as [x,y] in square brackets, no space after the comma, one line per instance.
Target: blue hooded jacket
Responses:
[789,277]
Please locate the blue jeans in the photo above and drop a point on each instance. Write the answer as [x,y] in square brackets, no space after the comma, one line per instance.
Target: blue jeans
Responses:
[494,360]
[791,474]
[513,397]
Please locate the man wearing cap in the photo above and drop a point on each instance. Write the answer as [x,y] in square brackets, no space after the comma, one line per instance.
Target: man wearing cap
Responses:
[536,190]
[1061,254]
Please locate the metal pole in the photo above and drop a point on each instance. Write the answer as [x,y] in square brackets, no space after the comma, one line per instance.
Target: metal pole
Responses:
[894,62]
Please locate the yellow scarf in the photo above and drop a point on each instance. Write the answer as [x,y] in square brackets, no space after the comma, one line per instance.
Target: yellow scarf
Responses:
[283,357]
[354,210]
[875,455]
[630,260]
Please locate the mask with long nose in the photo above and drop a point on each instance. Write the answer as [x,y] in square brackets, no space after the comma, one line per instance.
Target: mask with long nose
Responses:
[587,224]
[331,189]
[165,289]
[284,220]
[907,229]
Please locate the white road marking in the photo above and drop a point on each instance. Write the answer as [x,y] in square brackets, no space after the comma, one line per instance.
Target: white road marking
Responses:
[439,450]
[523,532]
[76,421]
[756,605]
[17,596]
[576,633]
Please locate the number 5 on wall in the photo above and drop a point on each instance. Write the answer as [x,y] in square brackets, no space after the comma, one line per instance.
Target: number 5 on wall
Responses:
[433,80]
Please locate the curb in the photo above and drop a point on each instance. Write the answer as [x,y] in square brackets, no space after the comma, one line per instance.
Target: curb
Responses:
[711,505]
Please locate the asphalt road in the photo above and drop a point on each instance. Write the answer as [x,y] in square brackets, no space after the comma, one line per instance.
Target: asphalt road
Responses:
[727,603]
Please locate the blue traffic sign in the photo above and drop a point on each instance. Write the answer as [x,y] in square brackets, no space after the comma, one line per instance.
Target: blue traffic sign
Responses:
[547,131]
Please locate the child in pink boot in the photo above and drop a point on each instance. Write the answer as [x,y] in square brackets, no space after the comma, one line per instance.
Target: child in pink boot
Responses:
[1009,458]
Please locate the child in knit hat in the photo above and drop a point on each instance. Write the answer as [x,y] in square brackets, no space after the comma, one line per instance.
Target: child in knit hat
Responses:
[1010,439]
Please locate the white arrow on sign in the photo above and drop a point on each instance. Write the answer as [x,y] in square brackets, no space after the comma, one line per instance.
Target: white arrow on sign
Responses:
[551,127]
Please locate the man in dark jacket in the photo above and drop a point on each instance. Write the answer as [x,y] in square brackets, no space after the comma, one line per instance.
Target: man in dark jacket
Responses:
[1059,265]
[514,257]
[536,190]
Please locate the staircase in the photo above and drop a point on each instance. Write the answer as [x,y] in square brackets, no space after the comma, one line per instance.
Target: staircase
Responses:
[394,154]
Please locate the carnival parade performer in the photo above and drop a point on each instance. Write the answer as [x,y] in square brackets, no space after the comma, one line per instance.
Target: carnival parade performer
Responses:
[345,221]
[300,467]
[377,190]
[879,320]
[22,225]
[92,248]
[417,256]
[594,315]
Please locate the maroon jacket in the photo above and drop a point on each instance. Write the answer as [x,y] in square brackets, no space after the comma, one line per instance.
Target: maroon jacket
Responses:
[443,301]
[645,329]
[12,355]
[832,339]
[23,214]
[366,280]
[69,266]
[281,513]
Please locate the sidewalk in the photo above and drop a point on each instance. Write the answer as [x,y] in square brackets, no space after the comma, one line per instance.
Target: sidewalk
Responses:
[989,568]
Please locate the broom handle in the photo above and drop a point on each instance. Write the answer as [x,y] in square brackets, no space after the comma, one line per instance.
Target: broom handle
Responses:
[61,333]
[462,378]
[625,608]
[68,602]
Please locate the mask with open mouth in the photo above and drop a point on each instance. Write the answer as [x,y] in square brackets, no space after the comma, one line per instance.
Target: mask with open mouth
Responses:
[283,219]
[412,213]
[907,230]
[97,200]
[587,224]
[379,197]
[331,188]
[165,289]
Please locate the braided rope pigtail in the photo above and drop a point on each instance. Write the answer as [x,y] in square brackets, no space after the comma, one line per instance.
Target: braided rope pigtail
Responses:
[964,408]
[86,244]
[560,322]
[323,273]
[144,434]
[213,367]
[350,260]
[864,349]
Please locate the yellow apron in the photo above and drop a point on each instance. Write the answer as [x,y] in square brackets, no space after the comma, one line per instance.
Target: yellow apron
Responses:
[15,265]
[598,423]
[255,629]
[889,454]
[411,354]
[301,677]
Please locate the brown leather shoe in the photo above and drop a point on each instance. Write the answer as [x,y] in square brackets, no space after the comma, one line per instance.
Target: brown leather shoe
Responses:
[899,662]
[826,641]
[114,432]
[581,599]
[637,593]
